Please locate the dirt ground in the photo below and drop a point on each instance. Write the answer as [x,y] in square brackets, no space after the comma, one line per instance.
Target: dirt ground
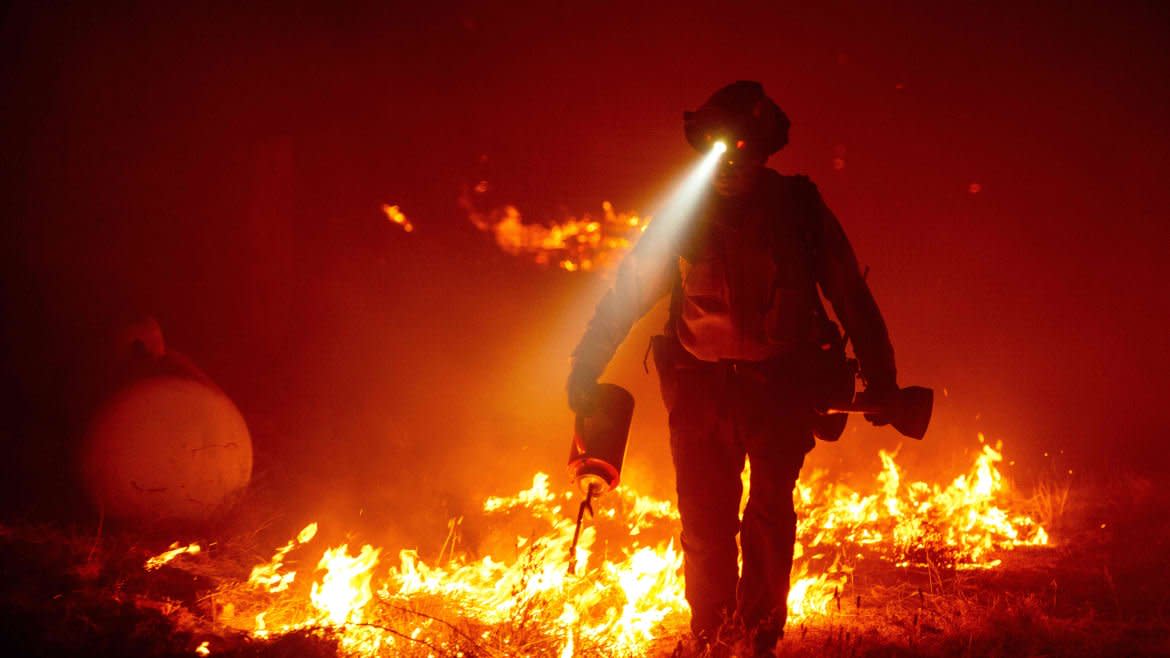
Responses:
[1101,589]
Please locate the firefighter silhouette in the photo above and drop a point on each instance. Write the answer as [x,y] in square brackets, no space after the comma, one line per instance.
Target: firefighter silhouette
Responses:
[747,354]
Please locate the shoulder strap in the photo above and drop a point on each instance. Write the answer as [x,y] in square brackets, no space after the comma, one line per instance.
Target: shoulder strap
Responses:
[803,194]
[676,303]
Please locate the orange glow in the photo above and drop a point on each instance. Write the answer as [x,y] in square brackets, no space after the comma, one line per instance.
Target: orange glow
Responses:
[175,551]
[395,215]
[268,576]
[631,589]
[345,589]
[574,244]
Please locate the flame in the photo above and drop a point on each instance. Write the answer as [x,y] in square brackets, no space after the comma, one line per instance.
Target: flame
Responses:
[345,589]
[914,524]
[203,649]
[630,591]
[268,575]
[395,215]
[574,244]
[175,551]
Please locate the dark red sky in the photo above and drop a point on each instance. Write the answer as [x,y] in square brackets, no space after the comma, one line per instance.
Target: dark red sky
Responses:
[223,169]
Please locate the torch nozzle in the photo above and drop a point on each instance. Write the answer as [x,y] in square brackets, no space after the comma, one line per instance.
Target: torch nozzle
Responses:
[586,504]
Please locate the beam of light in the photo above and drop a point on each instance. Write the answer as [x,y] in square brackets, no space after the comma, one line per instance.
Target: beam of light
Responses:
[678,209]
[682,200]
[586,243]
[671,214]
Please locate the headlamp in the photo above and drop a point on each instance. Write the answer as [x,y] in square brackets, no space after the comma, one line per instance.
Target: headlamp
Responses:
[741,116]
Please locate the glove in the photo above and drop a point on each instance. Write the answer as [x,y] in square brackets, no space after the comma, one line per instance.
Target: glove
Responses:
[582,390]
[883,396]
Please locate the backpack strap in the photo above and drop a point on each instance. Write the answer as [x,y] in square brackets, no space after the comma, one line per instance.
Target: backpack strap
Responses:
[676,304]
[802,194]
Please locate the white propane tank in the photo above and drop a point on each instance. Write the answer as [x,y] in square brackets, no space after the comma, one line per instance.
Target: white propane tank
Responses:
[167,443]
[166,447]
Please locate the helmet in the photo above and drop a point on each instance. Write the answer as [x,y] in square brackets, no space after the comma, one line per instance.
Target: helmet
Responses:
[742,116]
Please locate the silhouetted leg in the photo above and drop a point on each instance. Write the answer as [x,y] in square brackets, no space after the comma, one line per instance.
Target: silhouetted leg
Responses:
[769,533]
[707,464]
[777,436]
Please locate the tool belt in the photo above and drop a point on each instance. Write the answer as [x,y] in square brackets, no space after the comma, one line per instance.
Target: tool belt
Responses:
[819,376]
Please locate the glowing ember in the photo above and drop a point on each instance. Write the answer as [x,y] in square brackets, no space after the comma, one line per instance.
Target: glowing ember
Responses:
[574,244]
[202,649]
[395,215]
[630,590]
[175,551]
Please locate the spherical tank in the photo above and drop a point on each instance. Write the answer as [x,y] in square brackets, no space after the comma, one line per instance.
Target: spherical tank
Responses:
[166,447]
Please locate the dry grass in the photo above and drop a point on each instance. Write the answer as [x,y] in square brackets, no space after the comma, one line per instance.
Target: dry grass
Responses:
[1100,590]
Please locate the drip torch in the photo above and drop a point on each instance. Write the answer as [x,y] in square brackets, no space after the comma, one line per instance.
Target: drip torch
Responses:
[598,450]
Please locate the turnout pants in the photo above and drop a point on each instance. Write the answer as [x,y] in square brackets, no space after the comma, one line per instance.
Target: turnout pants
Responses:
[719,414]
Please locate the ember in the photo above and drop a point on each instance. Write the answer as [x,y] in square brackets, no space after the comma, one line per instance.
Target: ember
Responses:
[630,591]
[175,551]
[396,216]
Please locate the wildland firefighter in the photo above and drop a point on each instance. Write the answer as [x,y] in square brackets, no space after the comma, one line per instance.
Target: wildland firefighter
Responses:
[747,357]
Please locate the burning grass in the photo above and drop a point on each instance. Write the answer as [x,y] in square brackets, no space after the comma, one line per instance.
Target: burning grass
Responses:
[905,568]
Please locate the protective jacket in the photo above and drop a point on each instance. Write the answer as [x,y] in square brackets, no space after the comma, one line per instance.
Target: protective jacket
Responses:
[743,273]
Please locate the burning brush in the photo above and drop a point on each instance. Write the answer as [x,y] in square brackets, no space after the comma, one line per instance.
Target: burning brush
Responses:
[574,244]
[524,603]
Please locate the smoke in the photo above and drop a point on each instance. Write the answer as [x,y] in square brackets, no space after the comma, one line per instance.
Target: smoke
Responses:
[396,378]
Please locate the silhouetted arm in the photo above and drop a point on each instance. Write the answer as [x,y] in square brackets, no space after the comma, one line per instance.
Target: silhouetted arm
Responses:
[846,289]
[644,276]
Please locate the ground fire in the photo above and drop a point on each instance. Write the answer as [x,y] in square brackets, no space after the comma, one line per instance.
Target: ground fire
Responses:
[628,593]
